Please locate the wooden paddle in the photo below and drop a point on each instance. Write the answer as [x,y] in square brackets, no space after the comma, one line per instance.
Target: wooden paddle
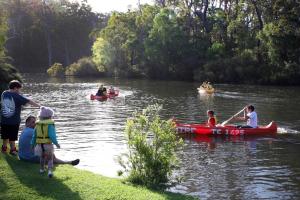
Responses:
[228,120]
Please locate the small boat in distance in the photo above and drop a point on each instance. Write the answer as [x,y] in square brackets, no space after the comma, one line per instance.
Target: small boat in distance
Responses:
[203,129]
[206,88]
[110,95]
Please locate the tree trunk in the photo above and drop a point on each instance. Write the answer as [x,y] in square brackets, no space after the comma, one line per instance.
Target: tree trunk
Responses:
[205,16]
[67,57]
[49,46]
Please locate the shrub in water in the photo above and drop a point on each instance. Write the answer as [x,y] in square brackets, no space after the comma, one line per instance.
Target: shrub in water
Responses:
[152,145]
[56,70]
[83,67]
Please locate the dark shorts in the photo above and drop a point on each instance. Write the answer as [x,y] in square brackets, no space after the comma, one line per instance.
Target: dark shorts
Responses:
[9,132]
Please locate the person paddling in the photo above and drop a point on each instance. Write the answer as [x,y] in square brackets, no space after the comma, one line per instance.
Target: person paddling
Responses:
[101,91]
[250,116]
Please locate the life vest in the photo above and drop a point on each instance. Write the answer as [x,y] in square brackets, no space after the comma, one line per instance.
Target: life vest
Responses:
[212,118]
[41,127]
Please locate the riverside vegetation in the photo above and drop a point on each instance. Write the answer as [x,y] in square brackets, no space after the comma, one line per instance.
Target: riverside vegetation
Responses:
[152,145]
[226,41]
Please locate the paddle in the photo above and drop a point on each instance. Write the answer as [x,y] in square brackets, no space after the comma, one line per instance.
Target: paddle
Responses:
[228,120]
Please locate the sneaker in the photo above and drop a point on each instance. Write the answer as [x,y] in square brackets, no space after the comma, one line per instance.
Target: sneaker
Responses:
[75,162]
[50,174]
[42,171]
[3,149]
[13,151]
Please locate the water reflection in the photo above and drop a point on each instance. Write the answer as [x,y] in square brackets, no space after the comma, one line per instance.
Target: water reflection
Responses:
[213,168]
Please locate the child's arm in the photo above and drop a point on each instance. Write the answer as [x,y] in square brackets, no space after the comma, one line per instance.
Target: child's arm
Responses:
[52,135]
[33,139]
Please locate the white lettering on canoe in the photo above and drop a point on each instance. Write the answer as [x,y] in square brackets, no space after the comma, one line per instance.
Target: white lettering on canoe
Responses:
[217,131]
[183,129]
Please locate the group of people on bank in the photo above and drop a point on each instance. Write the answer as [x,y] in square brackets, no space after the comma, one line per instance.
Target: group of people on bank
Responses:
[37,139]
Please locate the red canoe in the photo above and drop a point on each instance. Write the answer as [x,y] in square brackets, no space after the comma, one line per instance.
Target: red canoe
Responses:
[203,129]
[105,97]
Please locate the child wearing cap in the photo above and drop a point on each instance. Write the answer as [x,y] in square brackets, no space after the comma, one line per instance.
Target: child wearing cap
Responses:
[43,137]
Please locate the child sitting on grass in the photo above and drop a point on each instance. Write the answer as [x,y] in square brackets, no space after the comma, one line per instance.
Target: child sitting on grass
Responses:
[43,137]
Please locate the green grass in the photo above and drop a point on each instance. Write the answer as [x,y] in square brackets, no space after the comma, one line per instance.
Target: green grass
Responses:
[21,180]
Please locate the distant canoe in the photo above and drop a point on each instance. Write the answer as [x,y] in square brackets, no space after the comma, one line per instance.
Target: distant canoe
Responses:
[203,90]
[110,95]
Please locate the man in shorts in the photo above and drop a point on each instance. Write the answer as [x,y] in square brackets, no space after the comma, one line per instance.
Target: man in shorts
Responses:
[11,104]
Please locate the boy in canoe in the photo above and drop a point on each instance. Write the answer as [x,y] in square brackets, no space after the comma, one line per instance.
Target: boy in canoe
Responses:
[250,116]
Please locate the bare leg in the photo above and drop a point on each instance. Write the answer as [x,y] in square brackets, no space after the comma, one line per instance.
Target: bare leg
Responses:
[58,161]
[5,142]
[12,145]
[50,164]
[42,163]
[50,161]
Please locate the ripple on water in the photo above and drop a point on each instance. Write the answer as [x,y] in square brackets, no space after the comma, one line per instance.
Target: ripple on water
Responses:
[221,168]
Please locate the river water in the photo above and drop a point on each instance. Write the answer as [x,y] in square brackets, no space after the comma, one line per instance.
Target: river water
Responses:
[265,167]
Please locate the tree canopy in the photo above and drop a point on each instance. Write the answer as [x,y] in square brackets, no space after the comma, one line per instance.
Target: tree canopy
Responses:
[232,41]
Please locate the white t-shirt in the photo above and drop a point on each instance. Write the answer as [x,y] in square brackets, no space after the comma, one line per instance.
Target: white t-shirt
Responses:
[252,120]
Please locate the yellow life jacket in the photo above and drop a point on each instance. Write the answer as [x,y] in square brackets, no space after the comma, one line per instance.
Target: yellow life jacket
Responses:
[41,127]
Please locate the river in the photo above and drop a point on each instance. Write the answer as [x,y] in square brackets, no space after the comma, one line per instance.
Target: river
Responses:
[212,168]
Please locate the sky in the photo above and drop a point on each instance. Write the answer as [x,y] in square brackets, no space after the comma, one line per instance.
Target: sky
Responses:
[106,6]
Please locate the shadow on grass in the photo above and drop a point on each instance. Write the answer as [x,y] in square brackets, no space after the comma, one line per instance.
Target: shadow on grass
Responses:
[3,185]
[167,195]
[28,174]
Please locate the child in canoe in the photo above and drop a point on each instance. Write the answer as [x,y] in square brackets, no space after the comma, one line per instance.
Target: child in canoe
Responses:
[111,90]
[212,121]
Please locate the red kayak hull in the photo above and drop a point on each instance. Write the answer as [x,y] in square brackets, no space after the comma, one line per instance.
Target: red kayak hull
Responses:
[202,129]
[108,96]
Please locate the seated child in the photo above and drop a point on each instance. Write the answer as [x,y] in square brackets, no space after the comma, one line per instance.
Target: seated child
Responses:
[212,121]
[43,137]
[111,90]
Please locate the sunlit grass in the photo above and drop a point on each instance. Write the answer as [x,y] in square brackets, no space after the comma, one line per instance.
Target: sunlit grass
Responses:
[21,180]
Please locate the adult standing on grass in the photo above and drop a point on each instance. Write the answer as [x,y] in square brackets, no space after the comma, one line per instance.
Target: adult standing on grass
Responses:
[11,103]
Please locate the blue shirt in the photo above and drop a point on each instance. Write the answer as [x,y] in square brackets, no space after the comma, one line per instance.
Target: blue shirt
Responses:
[25,150]
[11,103]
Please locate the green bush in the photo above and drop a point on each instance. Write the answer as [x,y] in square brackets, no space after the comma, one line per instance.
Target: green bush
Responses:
[239,69]
[152,144]
[7,73]
[83,67]
[56,70]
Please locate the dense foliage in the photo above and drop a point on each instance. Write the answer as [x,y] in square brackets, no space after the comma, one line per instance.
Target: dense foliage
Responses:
[42,32]
[152,144]
[7,71]
[83,67]
[233,41]
[57,69]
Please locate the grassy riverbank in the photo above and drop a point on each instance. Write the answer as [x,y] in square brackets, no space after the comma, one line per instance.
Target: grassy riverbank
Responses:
[21,180]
